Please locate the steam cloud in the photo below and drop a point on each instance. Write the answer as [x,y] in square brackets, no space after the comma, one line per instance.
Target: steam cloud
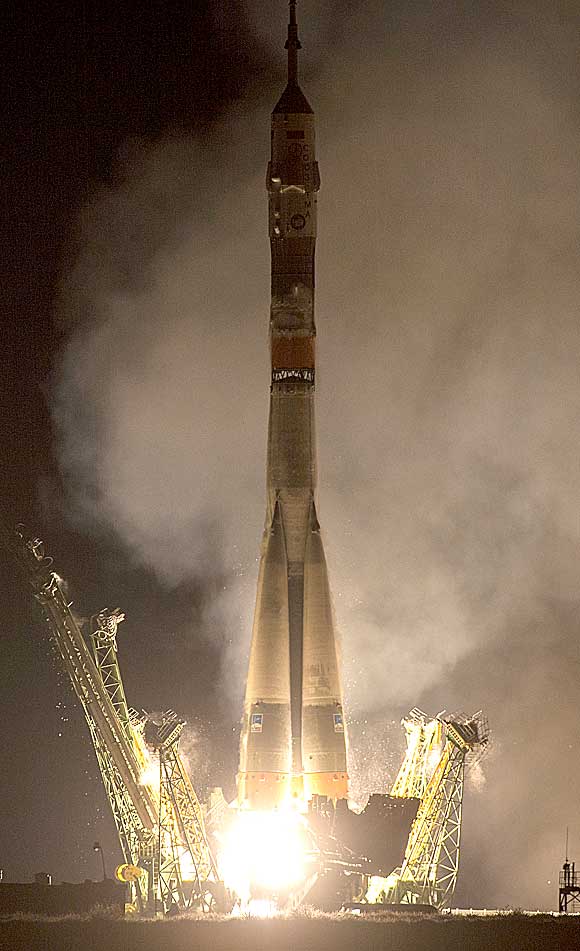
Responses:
[448,387]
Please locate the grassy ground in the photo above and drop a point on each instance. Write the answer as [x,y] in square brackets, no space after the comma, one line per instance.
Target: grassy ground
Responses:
[516,932]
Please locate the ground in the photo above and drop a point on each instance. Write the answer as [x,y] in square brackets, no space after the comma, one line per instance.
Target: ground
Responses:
[516,932]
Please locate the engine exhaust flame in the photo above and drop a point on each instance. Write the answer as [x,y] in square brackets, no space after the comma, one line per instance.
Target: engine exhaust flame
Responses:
[264,856]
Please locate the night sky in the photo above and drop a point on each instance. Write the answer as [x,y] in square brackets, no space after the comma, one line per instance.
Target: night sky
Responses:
[135,270]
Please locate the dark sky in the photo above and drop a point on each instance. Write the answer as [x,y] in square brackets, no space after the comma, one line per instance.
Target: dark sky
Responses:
[83,80]
[135,270]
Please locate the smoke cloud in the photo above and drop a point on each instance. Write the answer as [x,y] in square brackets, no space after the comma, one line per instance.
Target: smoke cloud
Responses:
[448,389]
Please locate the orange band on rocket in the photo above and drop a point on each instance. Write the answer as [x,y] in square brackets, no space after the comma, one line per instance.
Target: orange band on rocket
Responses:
[289,353]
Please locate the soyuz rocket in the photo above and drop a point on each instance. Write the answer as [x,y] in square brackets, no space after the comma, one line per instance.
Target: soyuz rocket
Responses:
[293,742]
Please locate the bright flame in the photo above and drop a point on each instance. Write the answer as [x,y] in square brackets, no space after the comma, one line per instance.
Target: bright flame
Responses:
[187,866]
[264,855]
[150,775]
[379,889]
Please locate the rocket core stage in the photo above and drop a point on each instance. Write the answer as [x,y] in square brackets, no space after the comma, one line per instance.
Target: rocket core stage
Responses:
[293,742]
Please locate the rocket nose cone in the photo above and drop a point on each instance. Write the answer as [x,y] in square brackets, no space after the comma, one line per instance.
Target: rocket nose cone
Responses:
[293,101]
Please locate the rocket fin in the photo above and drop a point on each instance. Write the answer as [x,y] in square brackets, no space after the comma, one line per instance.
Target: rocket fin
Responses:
[265,745]
[323,730]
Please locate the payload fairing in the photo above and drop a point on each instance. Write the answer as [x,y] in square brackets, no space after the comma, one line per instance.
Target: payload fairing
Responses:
[293,742]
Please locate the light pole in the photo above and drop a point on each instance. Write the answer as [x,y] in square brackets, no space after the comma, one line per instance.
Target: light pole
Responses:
[98,848]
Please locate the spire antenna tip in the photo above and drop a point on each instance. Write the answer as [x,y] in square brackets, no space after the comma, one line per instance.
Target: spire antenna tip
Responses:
[292,45]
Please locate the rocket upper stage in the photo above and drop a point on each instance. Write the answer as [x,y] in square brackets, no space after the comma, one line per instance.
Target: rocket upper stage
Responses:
[293,739]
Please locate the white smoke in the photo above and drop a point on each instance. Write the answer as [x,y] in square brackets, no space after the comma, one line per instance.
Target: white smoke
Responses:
[448,391]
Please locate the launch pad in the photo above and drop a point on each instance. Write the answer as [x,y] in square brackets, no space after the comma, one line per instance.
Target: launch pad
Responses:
[291,837]
[179,854]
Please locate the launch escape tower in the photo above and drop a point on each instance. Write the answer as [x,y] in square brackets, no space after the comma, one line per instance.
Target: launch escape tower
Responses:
[293,741]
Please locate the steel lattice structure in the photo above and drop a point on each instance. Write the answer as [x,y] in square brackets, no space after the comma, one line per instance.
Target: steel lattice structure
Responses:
[429,871]
[132,805]
[430,867]
[160,822]
[187,809]
[104,628]
[161,830]
[424,745]
[137,843]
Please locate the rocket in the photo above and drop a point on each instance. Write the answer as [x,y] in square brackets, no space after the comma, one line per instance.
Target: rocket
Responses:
[293,742]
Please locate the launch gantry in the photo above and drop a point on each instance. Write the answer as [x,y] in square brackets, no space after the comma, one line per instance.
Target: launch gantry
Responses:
[433,771]
[157,814]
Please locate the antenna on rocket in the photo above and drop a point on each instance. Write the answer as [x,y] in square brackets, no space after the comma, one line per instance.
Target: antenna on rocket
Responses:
[292,45]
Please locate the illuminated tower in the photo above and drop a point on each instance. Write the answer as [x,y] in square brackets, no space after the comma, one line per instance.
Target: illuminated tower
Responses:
[293,740]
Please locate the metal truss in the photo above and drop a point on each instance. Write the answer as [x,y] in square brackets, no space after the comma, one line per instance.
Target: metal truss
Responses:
[424,744]
[161,832]
[186,862]
[180,841]
[132,809]
[94,698]
[429,871]
[430,867]
[170,850]
[104,639]
[187,810]
[137,844]
[134,837]
[569,885]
